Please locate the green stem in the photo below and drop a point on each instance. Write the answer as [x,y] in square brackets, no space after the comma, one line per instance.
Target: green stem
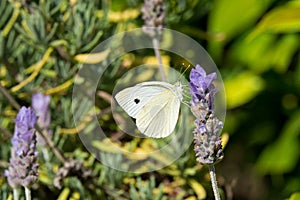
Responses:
[27,193]
[214,184]
[16,194]
[9,97]
[158,56]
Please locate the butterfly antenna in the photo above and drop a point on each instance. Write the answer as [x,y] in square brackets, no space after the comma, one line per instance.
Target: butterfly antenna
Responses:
[182,73]
[187,97]
[186,103]
[186,89]
[185,85]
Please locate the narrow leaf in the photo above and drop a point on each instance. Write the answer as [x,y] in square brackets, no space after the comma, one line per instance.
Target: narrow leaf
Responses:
[92,58]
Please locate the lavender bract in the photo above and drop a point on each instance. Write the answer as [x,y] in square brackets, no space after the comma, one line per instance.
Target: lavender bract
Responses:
[23,167]
[208,147]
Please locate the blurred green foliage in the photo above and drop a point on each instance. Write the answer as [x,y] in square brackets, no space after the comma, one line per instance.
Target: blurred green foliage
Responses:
[255,44]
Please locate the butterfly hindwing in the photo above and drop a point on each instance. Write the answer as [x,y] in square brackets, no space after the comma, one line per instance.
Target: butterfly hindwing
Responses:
[159,116]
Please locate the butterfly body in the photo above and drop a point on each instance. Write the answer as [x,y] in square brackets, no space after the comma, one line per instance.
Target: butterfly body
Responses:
[155,106]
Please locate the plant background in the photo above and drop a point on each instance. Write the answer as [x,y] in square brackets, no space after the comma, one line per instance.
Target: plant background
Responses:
[255,45]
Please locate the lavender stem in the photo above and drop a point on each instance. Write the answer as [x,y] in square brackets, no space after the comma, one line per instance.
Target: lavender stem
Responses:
[9,97]
[27,193]
[158,56]
[16,194]
[214,184]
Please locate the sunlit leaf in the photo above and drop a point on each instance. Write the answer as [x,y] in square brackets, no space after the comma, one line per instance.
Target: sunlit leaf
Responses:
[106,145]
[171,170]
[284,19]
[75,196]
[242,88]
[225,139]
[152,60]
[282,155]
[191,198]
[1,181]
[284,51]
[92,58]
[198,189]
[64,194]
[10,197]
[137,154]
[266,51]
[44,177]
[295,196]
[231,17]
[122,16]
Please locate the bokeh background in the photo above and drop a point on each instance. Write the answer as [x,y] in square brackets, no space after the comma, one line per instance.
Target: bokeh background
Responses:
[254,43]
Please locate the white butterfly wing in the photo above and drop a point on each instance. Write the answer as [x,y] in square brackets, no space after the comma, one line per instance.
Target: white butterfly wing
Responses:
[155,106]
[158,117]
[133,99]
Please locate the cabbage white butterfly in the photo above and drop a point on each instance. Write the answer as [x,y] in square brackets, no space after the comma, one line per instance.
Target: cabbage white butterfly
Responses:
[155,106]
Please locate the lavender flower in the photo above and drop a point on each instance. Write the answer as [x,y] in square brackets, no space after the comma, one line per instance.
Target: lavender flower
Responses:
[208,146]
[153,15]
[23,167]
[40,104]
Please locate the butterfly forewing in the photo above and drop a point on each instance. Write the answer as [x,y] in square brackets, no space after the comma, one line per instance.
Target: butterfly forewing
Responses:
[133,99]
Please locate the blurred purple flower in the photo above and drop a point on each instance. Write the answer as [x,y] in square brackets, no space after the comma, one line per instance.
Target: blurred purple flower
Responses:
[23,167]
[40,104]
[208,146]
[153,15]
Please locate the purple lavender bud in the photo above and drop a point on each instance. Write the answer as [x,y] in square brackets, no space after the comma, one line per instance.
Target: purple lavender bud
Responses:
[202,81]
[23,167]
[153,15]
[208,146]
[201,86]
[40,104]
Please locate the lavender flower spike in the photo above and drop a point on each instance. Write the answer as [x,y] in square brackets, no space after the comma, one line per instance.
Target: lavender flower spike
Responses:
[40,104]
[153,15]
[23,165]
[208,146]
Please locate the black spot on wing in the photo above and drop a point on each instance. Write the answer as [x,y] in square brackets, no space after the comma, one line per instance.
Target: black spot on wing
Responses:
[136,101]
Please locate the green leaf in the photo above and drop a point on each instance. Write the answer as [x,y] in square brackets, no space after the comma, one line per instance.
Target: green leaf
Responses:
[198,189]
[92,58]
[297,75]
[284,19]
[64,194]
[44,176]
[242,88]
[266,51]
[284,51]
[229,18]
[254,53]
[295,196]
[282,156]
